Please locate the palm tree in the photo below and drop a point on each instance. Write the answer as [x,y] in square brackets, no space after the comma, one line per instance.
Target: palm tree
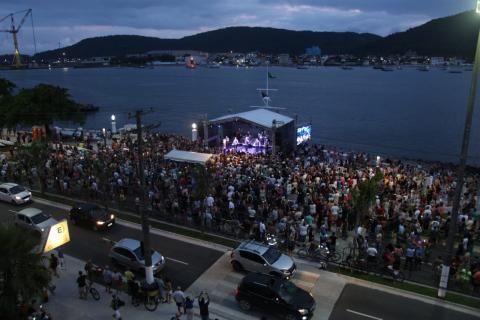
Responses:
[363,196]
[36,155]
[22,273]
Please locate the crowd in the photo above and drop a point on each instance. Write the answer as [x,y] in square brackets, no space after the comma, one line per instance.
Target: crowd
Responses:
[301,197]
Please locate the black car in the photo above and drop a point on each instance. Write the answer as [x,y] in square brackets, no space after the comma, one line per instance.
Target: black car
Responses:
[92,216]
[275,296]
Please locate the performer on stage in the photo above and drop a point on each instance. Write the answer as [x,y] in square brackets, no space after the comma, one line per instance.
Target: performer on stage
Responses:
[235,142]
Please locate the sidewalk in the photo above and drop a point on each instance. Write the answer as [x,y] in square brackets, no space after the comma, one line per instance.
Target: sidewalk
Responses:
[66,305]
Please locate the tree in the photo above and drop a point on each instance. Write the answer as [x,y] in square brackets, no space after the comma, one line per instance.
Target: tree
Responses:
[363,196]
[36,155]
[6,88]
[22,272]
[42,105]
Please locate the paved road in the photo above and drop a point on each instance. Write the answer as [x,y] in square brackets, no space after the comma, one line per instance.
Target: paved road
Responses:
[185,262]
[360,303]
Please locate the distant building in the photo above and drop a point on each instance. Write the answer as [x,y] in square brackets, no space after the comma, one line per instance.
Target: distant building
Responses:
[313,51]
[284,59]
[437,61]
[97,60]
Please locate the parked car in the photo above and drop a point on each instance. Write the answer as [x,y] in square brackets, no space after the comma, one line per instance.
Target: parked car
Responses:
[255,256]
[34,219]
[92,216]
[275,296]
[129,253]
[14,193]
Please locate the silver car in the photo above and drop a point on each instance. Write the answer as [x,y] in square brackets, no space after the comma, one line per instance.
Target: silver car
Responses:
[128,253]
[14,193]
[255,256]
[34,219]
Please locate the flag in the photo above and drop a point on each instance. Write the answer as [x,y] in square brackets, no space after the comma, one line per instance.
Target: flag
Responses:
[270,76]
[264,94]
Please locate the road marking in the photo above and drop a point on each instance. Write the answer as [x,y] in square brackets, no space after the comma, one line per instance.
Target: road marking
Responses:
[175,260]
[363,314]
[108,240]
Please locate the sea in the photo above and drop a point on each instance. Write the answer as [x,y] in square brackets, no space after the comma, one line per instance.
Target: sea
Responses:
[406,113]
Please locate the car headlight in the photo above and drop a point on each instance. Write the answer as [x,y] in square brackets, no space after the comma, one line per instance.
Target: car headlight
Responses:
[18,197]
[303,311]
[30,194]
[112,216]
[100,222]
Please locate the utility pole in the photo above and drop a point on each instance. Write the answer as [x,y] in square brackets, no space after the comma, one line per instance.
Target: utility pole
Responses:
[140,201]
[443,285]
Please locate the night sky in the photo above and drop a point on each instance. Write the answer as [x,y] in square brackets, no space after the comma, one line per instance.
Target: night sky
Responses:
[66,22]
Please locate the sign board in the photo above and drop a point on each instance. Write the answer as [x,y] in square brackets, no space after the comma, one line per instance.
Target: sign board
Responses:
[304,133]
[57,235]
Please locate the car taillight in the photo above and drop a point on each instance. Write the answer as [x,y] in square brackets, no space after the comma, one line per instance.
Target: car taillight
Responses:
[237,292]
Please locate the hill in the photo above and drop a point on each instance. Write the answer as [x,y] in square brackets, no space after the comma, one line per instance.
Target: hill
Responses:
[450,36]
[238,39]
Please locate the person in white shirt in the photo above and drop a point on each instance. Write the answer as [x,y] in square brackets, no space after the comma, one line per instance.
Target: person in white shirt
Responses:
[210,201]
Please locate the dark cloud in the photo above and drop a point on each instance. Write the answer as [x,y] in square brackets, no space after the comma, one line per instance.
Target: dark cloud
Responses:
[67,21]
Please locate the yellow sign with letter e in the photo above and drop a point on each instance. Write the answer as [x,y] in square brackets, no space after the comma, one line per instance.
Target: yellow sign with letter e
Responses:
[58,235]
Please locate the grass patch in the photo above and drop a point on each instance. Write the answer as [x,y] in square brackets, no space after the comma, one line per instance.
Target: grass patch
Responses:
[156,224]
[426,291]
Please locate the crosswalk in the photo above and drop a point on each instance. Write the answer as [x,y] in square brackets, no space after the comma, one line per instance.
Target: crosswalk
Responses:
[224,304]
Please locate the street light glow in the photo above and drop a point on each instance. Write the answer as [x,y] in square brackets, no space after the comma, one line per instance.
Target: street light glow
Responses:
[113,117]
[194,126]
[104,130]
[478,6]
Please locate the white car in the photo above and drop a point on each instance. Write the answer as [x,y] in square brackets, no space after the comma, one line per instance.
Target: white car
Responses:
[14,193]
[34,219]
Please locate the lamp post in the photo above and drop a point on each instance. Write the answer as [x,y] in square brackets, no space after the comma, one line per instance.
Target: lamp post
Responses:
[114,124]
[194,132]
[443,285]
[104,137]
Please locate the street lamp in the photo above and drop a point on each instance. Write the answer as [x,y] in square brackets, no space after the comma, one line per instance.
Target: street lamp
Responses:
[443,285]
[194,132]
[114,124]
[104,137]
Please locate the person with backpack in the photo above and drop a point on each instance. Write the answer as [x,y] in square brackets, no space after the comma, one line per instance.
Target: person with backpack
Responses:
[189,307]
[116,304]
[203,302]
[82,285]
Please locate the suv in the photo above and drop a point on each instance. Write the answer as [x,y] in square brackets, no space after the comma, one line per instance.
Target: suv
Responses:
[92,216]
[14,193]
[256,257]
[129,253]
[34,219]
[275,296]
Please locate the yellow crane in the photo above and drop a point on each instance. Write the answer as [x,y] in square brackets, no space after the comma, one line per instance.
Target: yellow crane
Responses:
[17,60]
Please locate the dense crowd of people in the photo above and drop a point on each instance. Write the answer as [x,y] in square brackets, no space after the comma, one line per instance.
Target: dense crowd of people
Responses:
[302,197]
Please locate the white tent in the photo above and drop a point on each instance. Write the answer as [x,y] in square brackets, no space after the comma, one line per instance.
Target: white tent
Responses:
[188,156]
[260,117]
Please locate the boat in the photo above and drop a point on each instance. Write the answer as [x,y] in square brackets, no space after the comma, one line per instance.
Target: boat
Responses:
[347,68]
[385,68]
[214,66]
[190,64]
[423,68]
[455,71]
[378,66]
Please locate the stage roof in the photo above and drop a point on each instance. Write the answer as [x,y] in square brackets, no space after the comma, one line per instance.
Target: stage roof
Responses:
[188,156]
[260,117]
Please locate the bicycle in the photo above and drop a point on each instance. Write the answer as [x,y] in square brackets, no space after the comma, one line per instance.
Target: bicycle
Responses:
[320,253]
[151,299]
[90,289]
